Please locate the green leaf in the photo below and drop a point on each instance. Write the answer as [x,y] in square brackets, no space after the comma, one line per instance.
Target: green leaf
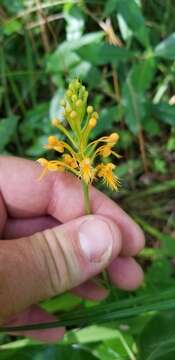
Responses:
[131,13]
[167,242]
[152,127]
[170,146]
[157,341]
[164,112]
[63,302]
[64,58]
[126,33]
[12,26]
[142,74]
[166,49]
[160,166]
[92,334]
[108,117]
[75,23]
[45,352]
[7,130]
[103,53]
[56,111]
[122,309]
[37,148]
[129,169]
[110,7]
[114,349]
[36,122]
[159,275]
[87,72]
[134,106]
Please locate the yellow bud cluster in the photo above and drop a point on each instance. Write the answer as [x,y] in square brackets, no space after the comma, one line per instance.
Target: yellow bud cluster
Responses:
[77,154]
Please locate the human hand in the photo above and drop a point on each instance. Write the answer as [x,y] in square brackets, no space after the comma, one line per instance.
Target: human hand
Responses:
[41,258]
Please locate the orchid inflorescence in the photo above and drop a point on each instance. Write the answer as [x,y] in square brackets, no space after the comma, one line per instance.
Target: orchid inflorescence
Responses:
[86,159]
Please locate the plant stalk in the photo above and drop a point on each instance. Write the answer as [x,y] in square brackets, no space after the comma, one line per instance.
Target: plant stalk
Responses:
[88,211]
[86,198]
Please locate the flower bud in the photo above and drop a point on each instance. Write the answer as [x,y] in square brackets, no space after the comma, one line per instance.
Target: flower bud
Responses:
[52,140]
[95,114]
[69,93]
[90,109]
[79,103]
[113,137]
[77,84]
[71,86]
[63,102]
[92,122]
[73,114]
[74,98]
[55,122]
[68,109]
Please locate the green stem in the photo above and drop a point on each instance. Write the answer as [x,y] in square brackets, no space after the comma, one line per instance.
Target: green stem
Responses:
[86,198]
[88,212]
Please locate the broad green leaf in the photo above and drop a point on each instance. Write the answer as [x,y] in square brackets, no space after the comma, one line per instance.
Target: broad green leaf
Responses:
[7,130]
[107,121]
[132,14]
[87,72]
[36,123]
[129,168]
[167,243]
[157,341]
[110,7]
[124,29]
[45,352]
[160,166]
[64,58]
[134,106]
[63,302]
[114,349]
[152,127]
[159,275]
[37,148]
[93,334]
[166,49]
[142,74]
[13,7]
[56,111]
[75,23]
[164,112]
[12,26]
[103,53]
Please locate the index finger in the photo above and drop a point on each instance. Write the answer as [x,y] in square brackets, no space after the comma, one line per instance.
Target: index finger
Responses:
[59,195]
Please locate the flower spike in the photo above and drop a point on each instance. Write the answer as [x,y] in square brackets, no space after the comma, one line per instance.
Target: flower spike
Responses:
[76,154]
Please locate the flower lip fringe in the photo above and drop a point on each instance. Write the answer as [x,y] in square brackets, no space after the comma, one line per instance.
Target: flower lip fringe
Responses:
[87,160]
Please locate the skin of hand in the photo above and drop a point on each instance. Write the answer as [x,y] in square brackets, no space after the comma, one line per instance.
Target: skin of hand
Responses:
[48,246]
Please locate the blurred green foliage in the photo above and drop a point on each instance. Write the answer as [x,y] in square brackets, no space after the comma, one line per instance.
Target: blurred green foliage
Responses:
[124,51]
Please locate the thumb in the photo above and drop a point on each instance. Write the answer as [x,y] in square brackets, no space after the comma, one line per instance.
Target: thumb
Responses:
[55,260]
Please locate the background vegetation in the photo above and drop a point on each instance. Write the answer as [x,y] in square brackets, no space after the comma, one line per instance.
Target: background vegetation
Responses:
[124,51]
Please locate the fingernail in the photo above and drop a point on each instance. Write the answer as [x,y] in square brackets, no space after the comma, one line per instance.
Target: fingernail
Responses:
[96,239]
